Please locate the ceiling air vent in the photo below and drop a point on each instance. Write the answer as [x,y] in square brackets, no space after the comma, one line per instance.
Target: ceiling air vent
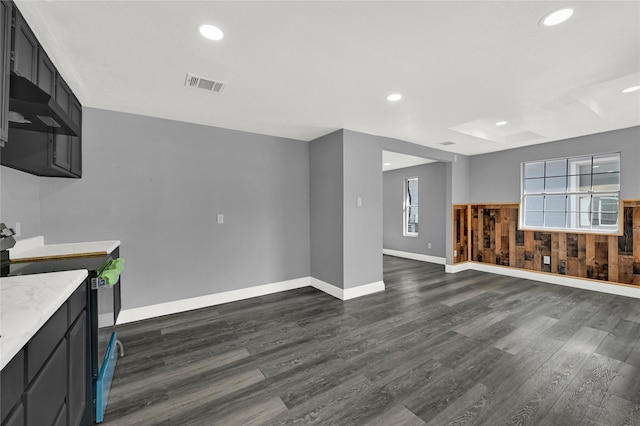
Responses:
[447,143]
[197,82]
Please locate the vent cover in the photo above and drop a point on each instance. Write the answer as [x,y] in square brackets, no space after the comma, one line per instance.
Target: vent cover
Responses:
[197,82]
[447,143]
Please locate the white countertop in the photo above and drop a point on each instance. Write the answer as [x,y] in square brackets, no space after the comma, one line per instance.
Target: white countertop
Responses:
[27,302]
[36,248]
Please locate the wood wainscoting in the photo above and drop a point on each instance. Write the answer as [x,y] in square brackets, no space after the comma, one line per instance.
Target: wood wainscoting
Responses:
[497,240]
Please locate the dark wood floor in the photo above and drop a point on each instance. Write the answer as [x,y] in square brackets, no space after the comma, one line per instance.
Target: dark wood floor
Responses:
[434,348]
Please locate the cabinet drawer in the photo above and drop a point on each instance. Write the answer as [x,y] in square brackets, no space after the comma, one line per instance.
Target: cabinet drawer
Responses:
[16,418]
[76,303]
[12,384]
[46,339]
[47,393]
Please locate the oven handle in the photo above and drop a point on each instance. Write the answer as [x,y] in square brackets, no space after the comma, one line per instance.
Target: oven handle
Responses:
[109,274]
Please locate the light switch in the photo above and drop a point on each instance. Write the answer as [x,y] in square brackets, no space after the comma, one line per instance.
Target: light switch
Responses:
[429,245]
[359,201]
[455,252]
[18,229]
[220,219]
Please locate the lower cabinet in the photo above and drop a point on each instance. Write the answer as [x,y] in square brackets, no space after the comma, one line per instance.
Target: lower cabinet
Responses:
[46,382]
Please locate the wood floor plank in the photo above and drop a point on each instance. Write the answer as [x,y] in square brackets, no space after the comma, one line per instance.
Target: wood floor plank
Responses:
[522,336]
[428,349]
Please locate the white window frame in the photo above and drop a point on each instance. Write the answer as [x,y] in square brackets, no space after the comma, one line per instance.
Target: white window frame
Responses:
[406,209]
[580,216]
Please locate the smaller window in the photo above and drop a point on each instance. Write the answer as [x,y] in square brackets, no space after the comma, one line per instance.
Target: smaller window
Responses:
[411,207]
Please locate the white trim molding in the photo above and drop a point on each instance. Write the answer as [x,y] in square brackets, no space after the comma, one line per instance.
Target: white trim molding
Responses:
[167,308]
[349,293]
[602,287]
[184,305]
[415,256]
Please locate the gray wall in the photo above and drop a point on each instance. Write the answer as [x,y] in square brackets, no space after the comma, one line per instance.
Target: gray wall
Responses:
[20,201]
[157,186]
[362,225]
[326,214]
[495,177]
[432,179]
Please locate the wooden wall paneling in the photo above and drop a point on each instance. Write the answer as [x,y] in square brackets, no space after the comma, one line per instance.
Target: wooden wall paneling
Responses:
[513,222]
[494,237]
[612,258]
[601,266]
[590,255]
[582,255]
[529,247]
[562,254]
[636,244]
[470,228]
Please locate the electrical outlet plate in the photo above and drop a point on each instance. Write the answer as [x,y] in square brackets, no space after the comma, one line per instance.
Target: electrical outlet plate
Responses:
[546,260]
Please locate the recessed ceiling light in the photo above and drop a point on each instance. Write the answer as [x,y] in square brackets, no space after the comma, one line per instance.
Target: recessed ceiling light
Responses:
[631,89]
[387,164]
[211,32]
[394,97]
[557,17]
[501,123]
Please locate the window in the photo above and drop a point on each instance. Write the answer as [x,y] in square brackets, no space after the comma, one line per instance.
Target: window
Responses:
[576,194]
[411,207]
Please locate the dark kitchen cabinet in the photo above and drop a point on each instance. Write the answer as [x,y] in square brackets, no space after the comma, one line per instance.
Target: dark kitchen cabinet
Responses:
[5,49]
[48,381]
[77,371]
[24,61]
[43,151]
[46,74]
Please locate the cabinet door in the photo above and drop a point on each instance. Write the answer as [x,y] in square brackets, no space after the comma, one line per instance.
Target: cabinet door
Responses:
[16,418]
[5,48]
[11,384]
[46,74]
[61,156]
[77,367]
[25,49]
[46,394]
[76,144]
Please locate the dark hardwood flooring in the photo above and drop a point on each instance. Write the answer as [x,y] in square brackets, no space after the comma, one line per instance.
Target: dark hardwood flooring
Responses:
[434,348]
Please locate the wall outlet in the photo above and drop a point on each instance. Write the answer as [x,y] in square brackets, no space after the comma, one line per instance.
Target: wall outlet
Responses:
[18,229]
[429,245]
[220,219]
[546,260]
[359,202]
[455,252]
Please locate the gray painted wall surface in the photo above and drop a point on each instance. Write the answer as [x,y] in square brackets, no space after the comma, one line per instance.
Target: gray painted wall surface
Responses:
[432,198]
[326,191]
[362,225]
[495,177]
[157,185]
[20,201]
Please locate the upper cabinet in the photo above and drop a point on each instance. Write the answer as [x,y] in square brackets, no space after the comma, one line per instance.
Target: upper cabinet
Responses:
[25,49]
[42,135]
[5,49]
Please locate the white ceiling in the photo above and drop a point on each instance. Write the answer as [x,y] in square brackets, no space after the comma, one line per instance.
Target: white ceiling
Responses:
[303,69]
[394,160]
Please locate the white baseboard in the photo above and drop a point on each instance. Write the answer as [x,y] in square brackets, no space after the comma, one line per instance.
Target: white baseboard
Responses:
[349,293]
[602,287]
[152,311]
[330,289]
[415,256]
[362,290]
[184,305]
[459,267]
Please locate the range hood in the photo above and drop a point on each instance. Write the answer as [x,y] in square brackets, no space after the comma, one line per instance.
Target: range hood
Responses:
[31,108]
